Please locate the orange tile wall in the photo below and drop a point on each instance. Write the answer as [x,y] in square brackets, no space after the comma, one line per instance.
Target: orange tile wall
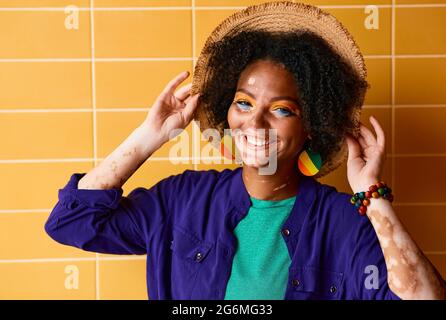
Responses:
[68,97]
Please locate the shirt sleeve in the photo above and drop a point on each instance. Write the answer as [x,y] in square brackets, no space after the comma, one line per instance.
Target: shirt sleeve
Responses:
[104,221]
[367,266]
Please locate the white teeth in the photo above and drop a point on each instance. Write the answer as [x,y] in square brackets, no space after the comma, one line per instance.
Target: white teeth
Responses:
[256,142]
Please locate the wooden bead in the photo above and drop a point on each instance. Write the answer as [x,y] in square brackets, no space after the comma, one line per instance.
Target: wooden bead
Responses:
[366,202]
[361,195]
[379,185]
[373,188]
[368,194]
[381,191]
[375,195]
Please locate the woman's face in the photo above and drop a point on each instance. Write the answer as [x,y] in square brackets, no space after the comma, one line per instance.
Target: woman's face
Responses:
[265,99]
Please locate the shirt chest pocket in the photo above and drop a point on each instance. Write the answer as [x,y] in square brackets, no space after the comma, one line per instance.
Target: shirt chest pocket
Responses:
[187,247]
[315,283]
[188,258]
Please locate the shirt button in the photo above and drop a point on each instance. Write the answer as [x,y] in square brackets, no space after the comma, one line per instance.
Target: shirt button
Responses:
[333,289]
[295,282]
[286,232]
[198,256]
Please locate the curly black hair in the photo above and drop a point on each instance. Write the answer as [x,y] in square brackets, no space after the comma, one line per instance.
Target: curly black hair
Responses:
[329,89]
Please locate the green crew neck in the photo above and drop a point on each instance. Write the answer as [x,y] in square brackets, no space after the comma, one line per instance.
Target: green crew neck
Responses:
[258,203]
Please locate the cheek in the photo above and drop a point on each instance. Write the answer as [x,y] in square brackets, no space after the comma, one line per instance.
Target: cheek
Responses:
[233,119]
[292,133]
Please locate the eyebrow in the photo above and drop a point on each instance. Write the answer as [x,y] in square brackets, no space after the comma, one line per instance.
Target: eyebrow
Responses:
[273,99]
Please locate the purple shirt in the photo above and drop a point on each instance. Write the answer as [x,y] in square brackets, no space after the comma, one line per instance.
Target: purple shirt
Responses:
[185,225]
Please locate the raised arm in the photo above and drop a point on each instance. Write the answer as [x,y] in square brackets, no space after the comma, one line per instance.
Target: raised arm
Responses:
[171,112]
[410,274]
[92,214]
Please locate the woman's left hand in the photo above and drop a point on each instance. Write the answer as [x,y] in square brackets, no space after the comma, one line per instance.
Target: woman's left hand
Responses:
[365,157]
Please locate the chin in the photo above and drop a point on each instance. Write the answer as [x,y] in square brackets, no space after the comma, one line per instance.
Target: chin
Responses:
[256,162]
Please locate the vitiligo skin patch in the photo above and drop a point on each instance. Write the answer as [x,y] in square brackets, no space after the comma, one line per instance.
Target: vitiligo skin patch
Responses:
[410,275]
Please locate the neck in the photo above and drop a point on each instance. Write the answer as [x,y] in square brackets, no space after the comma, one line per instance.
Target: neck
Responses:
[281,185]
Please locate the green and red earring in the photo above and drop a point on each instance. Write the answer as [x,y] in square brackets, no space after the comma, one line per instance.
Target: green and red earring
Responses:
[309,162]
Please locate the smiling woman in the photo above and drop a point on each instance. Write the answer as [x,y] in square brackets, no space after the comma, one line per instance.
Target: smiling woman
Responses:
[243,234]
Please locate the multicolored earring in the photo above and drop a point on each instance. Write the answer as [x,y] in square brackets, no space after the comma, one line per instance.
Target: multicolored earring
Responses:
[227,147]
[309,162]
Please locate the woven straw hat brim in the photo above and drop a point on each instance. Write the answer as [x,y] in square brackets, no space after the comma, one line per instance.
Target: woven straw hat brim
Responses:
[283,16]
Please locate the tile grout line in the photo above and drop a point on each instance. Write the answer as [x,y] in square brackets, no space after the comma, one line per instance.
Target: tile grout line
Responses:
[43,260]
[62,110]
[115,59]
[146,109]
[93,102]
[14,211]
[158,59]
[393,149]
[185,159]
[178,8]
[195,143]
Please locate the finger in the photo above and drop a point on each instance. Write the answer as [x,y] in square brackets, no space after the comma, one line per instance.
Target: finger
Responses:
[187,100]
[367,135]
[190,107]
[183,92]
[174,83]
[362,143]
[379,131]
[354,150]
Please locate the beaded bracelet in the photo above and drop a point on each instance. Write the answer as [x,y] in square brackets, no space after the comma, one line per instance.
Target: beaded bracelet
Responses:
[362,199]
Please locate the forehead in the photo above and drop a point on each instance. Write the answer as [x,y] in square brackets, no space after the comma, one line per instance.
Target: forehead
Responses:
[264,74]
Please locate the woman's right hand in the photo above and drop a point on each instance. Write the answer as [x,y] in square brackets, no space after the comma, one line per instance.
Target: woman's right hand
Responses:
[172,111]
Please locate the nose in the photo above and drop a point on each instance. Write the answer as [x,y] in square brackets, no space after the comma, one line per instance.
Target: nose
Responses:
[258,119]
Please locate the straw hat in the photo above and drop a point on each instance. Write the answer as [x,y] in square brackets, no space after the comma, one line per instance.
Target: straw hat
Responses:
[283,16]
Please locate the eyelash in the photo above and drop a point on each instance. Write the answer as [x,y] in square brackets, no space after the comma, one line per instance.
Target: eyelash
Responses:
[238,103]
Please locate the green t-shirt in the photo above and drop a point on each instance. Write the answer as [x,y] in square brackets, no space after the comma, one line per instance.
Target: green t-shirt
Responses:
[261,261]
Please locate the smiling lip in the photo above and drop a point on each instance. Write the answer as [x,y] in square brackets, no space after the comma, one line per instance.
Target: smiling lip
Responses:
[255,143]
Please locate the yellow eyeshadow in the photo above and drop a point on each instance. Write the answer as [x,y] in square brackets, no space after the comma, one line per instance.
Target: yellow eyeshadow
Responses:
[277,104]
[285,106]
[243,97]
